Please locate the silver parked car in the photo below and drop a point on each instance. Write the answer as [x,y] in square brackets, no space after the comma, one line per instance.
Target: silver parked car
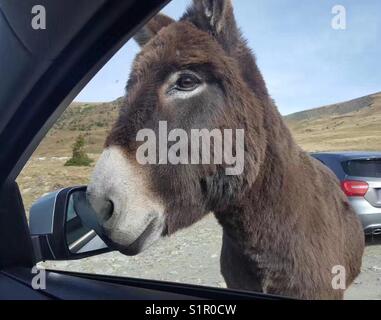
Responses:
[360,176]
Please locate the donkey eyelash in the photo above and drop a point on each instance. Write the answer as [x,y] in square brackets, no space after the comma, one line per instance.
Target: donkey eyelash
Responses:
[175,78]
[182,94]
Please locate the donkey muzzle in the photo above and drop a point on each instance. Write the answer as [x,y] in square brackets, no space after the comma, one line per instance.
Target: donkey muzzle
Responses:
[130,215]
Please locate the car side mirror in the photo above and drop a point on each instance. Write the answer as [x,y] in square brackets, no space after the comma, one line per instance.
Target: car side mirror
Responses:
[63,226]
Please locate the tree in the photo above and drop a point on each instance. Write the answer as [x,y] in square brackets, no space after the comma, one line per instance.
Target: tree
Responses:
[79,157]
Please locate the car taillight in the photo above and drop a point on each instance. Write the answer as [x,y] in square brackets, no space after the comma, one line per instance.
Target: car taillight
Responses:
[353,188]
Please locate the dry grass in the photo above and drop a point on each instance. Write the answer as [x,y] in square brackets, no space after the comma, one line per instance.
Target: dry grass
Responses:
[357,130]
[45,174]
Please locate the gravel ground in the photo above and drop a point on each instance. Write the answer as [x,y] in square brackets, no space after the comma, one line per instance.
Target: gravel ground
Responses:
[194,259]
[183,257]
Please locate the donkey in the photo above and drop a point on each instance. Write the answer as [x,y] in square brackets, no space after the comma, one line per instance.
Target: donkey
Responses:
[287,226]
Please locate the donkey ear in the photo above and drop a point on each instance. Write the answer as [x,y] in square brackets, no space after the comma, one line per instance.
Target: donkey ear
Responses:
[218,13]
[152,28]
[216,17]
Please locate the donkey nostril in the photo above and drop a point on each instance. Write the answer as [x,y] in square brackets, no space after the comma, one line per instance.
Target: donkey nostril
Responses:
[204,186]
[109,211]
[106,211]
[103,208]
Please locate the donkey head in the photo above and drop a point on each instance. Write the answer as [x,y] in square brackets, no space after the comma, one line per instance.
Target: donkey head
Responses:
[189,75]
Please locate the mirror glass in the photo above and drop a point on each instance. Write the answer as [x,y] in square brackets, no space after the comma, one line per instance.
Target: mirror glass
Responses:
[80,237]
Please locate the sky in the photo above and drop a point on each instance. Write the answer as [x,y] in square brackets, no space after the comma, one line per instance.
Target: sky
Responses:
[306,63]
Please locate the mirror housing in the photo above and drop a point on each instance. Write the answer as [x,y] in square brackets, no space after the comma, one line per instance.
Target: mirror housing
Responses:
[60,231]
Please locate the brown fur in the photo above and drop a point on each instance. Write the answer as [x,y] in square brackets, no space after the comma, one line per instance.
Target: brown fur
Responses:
[286,223]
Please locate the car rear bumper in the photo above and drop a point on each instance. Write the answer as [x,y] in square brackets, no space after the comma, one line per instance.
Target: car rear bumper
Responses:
[370,216]
[371,223]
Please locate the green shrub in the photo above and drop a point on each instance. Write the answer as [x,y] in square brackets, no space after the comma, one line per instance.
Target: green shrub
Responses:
[79,157]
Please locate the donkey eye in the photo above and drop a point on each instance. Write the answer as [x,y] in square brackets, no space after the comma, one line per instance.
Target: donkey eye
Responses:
[187,82]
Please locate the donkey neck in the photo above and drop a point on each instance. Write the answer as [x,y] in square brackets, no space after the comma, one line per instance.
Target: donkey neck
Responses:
[254,217]
[258,214]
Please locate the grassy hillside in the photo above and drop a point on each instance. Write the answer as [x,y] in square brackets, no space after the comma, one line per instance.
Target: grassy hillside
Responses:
[92,120]
[352,125]
[46,170]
